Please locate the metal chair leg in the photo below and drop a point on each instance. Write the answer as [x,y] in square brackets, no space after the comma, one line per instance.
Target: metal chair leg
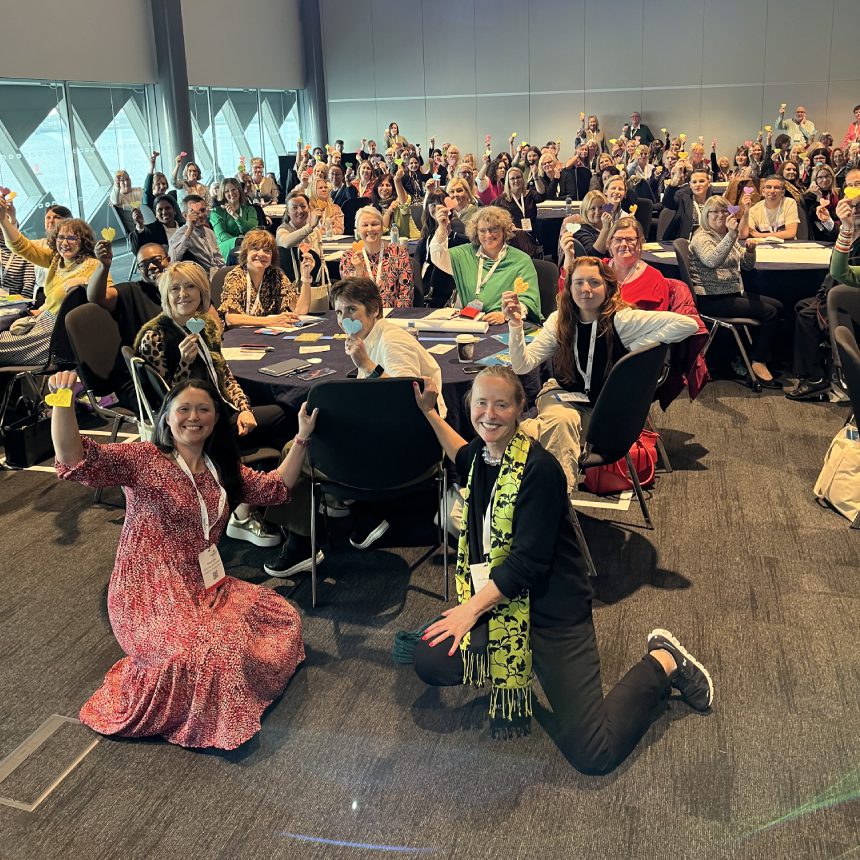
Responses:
[583,545]
[753,383]
[638,488]
[313,546]
[661,448]
[856,523]
[443,521]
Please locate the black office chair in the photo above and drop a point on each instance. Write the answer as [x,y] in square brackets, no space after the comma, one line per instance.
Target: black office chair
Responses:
[621,411]
[843,309]
[802,234]
[417,211]
[579,249]
[217,284]
[349,209]
[732,324]
[664,219]
[418,297]
[150,390]
[644,208]
[547,273]
[123,215]
[345,467]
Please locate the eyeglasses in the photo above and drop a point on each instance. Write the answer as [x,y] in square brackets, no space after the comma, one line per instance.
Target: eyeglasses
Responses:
[489,231]
[152,261]
[625,243]
[68,240]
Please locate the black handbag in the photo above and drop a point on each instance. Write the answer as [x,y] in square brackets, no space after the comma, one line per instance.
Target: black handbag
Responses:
[25,425]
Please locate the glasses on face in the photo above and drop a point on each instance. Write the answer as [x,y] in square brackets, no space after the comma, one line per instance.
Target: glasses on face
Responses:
[151,262]
[625,243]
[68,240]
[489,231]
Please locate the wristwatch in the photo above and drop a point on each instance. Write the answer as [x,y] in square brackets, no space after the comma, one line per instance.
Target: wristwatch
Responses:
[376,372]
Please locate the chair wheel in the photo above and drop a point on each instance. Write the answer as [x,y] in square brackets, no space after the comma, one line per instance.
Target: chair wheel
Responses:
[756,386]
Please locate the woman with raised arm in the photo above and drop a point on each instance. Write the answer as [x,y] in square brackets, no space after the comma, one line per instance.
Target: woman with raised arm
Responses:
[519,569]
[191,632]
[190,182]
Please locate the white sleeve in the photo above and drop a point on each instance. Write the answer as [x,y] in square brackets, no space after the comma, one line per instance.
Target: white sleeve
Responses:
[639,328]
[525,358]
[396,358]
[439,255]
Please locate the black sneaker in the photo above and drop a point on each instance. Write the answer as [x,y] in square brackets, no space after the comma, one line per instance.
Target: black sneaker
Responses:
[691,678]
[366,534]
[291,560]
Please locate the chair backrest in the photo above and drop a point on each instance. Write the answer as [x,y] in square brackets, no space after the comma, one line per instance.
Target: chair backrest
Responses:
[370,433]
[803,227]
[417,210]
[349,209]
[843,307]
[622,406]
[664,219]
[125,219]
[644,208]
[547,273]
[95,341]
[418,296]
[579,249]
[61,350]
[217,284]
[682,254]
[849,357]
[149,387]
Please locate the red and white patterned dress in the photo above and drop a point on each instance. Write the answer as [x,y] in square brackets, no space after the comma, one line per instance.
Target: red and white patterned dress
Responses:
[202,666]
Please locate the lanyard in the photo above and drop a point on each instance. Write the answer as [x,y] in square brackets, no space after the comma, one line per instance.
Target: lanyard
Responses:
[481,280]
[222,500]
[255,309]
[204,354]
[378,268]
[586,374]
[521,204]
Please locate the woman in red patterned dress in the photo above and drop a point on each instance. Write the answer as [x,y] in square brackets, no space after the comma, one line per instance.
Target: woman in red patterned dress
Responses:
[207,653]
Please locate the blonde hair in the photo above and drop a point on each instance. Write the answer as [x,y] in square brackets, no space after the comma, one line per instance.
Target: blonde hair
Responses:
[712,203]
[458,182]
[368,210]
[186,272]
[589,200]
[490,216]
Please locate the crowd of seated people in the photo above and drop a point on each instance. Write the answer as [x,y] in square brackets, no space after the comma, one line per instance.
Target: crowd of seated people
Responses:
[477,238]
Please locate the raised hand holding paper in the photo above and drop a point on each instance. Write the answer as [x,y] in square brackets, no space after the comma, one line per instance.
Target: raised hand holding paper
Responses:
[633,209]
[733,210]
[521,286]
[358,247]
[108,234]
[61,397]
[195,325]
[851,192]
[351,327]
[304,247]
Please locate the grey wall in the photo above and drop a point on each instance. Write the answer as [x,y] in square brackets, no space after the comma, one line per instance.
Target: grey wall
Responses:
[460,69]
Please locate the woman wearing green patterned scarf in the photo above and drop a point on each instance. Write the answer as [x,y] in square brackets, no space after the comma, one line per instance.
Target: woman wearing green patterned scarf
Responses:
[524,598]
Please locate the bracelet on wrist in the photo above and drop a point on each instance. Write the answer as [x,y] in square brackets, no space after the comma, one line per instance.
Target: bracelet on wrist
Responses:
[302,443]
[376,372]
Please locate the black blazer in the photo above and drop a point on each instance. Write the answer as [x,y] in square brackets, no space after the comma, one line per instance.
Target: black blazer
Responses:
[681,200]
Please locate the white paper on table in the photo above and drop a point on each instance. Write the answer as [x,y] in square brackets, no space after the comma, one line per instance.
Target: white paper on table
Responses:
[443,314]
[308,320]
[386,312]
[664,255]
[442,348]
[460,326]
[816,256]
[236,353]
[308,350]
[333,257]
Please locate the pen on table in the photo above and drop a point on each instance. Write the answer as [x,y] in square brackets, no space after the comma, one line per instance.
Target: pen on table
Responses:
[260,347]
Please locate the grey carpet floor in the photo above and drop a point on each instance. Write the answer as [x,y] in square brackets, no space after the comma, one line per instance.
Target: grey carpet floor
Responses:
[358,759]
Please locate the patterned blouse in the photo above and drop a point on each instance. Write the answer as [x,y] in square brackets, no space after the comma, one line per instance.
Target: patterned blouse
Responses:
[153,349]
[276,294]
[395,274]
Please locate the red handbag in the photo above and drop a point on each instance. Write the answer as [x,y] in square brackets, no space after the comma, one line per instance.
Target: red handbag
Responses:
[614,478]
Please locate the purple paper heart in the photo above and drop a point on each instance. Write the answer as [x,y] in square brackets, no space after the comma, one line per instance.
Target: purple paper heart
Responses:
[733,210]
[195,326]
[749,189]
[607,207]
[350,326]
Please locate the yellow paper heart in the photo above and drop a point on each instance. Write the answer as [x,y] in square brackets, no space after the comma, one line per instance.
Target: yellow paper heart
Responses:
[513,134]
[60,397]
[108,234]
[613,140]
[663,130]
[520,286]
[851,192]
[357,247]
[768,128]
[633,209]
[11,195]
[682,156]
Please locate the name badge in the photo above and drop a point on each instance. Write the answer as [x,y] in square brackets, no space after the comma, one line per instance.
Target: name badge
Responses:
[211,567]
[480,575]
[526,224]
[571,397]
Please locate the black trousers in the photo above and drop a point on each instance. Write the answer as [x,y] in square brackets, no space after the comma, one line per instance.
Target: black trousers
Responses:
[762,308]
[594,733]
[808,334]
[273,428]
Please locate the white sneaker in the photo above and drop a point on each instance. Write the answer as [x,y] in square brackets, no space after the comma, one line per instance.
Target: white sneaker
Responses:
[253,530]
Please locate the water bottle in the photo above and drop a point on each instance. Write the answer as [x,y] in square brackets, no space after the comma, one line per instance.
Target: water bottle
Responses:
[395,234]
[568,205]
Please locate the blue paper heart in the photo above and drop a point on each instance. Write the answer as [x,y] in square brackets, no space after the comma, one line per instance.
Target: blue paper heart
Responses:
[351,326]
[195,326]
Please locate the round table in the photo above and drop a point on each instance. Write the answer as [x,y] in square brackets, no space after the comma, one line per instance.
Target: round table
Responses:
[290,391]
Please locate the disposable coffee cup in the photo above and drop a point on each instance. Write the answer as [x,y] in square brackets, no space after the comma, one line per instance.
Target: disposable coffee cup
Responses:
[465,348]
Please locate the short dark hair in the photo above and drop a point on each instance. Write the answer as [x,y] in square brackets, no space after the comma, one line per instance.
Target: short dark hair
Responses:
[166,198]
[361,290]
[700,170]
[62,211]
[191,198]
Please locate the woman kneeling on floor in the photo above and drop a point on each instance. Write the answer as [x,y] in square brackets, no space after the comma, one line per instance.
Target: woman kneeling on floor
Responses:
[207,653]
[524,595]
